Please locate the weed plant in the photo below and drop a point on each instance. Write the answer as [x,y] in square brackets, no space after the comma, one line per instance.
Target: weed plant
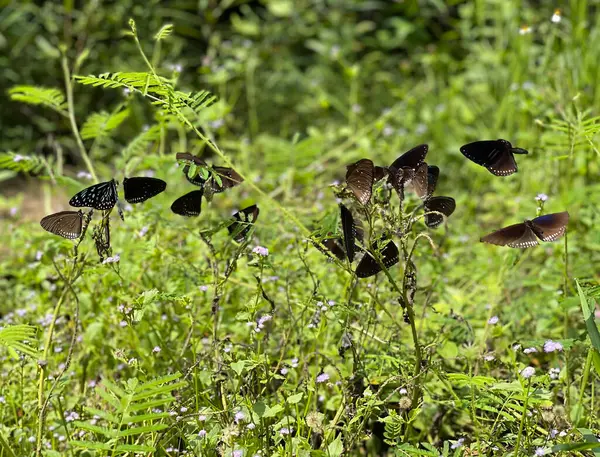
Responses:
[184,342]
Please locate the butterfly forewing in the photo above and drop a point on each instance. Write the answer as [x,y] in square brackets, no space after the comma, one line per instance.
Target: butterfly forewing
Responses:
[244,219]
[420,181]
[433,174]
[140,189]
[411,159]
[349,231]
[359,178]
[99,196]
[435,205]
[514,236]
[368,266]
[67,224]
[495,155]
[550,227]
[228,177]
[189,204]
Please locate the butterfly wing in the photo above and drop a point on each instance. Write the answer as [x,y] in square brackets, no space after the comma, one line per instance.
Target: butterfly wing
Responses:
[67,224]
[244,219]
[411,159]
[444,205]
[368,266]
[420,181]
[229,178]
[505,165]
[359,178]
[334,246]
[99,196]
[433,174]
[495,155]
[379,173]
[514,236]
[550,227]
[189,204]
[140,189]
[349,231]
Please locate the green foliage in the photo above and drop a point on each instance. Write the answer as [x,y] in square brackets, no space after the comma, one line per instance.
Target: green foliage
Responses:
[99,125]
[34,95]
[18,338]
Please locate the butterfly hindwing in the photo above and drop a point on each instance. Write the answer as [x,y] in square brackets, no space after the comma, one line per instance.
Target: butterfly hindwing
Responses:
[515,236]
[550,227]
[140,189]
[495,155]
[368,266]
[359,178]
[244,219]
[189,204]
[349,231]
[67,224]
[99,196]
[444,205]
[228,177]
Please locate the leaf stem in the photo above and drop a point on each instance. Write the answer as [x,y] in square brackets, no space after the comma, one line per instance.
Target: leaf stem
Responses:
[523,417]
[71,109]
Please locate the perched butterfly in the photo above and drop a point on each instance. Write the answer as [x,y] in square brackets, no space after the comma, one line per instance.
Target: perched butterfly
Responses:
[411,159]
[221,179]
[410,168]
[444,205]
[334,245]
[495,155]
[244,219]
[549,227]
[349,231]
[99,196]
[433,174]
[368,266]
[67,224]
[101,237]
[189,204]
[140,189]
[360,178]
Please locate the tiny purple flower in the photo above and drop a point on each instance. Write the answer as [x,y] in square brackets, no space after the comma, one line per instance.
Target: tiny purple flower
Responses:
[541,197]
[113,259]
[527,372]
[239,416]
[552,346]
[202,433]
[540,451]
[493,320]
[18,158]
[261,251]
[323,377]
[530,350]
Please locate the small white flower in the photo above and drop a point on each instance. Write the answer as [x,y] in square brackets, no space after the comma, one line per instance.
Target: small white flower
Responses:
[284,371]
[239,416]
[493,320]
[525,30]
[527,372]
[251,426]
[18,158]
[294,362]
[202,433]
[541,197]
[458,443]
[489,357]
[530,350]
[556,17]
[540,451]
[554,373]
[261,251]
[403,391]
[113,259]
[552,346]
[323,377]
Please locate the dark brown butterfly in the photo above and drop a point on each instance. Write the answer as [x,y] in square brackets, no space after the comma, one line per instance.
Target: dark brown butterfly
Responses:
[549,227]
[410,168]
[435,205]
[334,245]
[368,266]
[67,224]
[433,174]
[140,189]
[244,219]
[360,178]
[349,231]
[189,204]
[221,179]
[495,155]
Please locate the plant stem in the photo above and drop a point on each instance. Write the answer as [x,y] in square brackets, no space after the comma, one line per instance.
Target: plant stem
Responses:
[71,109]
[523,417]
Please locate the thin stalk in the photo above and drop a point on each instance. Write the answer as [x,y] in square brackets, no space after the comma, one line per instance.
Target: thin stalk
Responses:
[71,110]
[584,381]
[523,417]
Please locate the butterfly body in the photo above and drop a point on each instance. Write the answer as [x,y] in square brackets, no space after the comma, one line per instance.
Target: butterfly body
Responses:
[549,227]
[495,155]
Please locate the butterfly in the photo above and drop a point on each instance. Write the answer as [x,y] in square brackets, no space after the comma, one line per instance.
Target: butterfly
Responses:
[99,196]
[244,219]
[495,155]
[67,224]
[189,204]
[549,227]
[444,205]
[368,266]
[101,237]
[334,245]
[349,231]
[359,179]
[222,177]
[140,189]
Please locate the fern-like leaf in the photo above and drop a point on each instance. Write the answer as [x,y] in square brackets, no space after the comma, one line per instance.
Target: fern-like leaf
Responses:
[99,125]
[34,95]
[19,337]
[141,81]
[164,32]
[21,163]
[140,144]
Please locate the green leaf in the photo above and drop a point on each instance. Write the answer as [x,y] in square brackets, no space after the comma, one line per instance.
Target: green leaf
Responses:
[292,400]
[135,448]
[588,316]
[164,32]
[99,125]
[238,366]
[335,448]
[35,95]
[91,445]
[259,408]
[273,411]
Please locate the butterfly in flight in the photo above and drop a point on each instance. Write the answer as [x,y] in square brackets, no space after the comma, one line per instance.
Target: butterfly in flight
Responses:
[549,227]
[140,189]
[99,196]
[244,219]
[220,179]
[495,155]
[67,224]
[368,266]
[435,205]
[189,204]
